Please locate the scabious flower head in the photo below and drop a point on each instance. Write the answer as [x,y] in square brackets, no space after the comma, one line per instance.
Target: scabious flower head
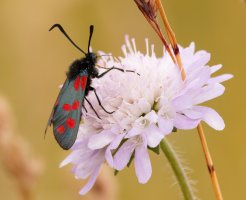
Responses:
[148,105]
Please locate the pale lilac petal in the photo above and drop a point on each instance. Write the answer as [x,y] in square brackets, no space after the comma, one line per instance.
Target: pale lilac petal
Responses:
[87,165]
[123,155]
[133,132]
[152,117]
[191,48]
[183,122]
[82,170]
[211,117]
[220,79]
[182,102]
[189,87]
[91,181]
[201,76]
[144,105]
[81,142]
[68,159]
[76,157]
[114,144]
[100,140]
[187,52]
[201,58]
[142,164]
[153,135]
[166,125]
[163,101]
[192,114]
[209,92]
[215,68]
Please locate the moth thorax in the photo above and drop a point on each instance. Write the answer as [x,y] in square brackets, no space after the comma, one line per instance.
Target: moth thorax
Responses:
[91,59]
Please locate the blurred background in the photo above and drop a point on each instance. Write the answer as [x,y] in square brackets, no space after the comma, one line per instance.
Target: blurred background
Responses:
[33,62]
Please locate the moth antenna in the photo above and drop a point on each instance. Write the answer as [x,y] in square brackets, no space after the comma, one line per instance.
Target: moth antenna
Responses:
[91,33]
[66,35]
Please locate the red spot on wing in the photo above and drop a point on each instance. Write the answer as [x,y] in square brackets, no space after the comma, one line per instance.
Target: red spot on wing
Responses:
[83,82]
[70,122]
[76,83]
[60,129]
[75,105]
[66,107]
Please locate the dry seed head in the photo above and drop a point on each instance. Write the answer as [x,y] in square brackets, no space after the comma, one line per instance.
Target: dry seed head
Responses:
[148,8]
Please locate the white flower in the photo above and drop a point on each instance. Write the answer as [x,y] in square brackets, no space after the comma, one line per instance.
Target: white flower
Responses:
[147,107]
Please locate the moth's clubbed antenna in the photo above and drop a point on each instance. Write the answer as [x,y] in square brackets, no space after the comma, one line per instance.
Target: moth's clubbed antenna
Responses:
[91,33]
[66,35]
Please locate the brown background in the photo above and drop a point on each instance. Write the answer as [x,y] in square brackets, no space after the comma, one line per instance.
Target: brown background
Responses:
[33,62]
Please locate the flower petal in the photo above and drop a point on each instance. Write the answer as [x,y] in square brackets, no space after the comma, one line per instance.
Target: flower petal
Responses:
[209,92]
[114,144]
[192,114]
[183,122]
[152,116]
[211,117]
[200,58]
[68,159]
[123,155]
[133,132]
[215,68]
[153,135]
[144,105]
[200,76]
[220,79]
[100,140]
[182,102]
[86,166]
[142,164]
[91,181]
[165,125]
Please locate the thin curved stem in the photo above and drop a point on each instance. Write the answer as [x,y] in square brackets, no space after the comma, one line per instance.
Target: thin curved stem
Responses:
[171,37]
[210,164]
[178,170]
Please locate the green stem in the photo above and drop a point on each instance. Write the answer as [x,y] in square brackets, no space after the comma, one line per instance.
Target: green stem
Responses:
[178,170]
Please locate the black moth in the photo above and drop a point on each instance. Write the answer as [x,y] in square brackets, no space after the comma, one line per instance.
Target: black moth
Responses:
[67,111]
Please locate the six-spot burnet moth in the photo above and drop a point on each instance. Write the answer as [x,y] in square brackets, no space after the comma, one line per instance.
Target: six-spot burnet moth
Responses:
[67,111]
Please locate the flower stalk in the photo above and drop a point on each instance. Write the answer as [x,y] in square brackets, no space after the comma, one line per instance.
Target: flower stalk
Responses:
[209,163]
[171,37]
[173,41]
[178,170]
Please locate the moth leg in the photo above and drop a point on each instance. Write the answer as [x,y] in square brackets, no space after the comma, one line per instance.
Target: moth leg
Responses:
[85,109]
[99,102]
[109,69]
[92,107]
